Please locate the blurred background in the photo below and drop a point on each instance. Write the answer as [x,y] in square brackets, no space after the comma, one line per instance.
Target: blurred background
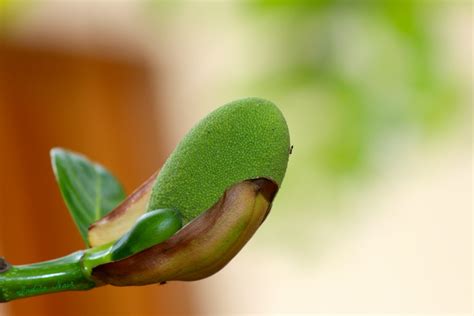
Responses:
[375,213]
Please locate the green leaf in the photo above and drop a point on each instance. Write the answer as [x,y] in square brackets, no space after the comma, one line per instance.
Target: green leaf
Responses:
[89,190]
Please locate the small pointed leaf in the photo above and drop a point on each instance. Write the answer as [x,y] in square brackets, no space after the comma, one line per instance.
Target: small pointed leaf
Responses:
[89,190]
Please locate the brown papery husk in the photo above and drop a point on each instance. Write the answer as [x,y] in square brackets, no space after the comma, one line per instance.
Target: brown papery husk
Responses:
[202,247]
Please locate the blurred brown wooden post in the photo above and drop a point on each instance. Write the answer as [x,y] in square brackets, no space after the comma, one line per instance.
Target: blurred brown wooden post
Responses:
[100,106]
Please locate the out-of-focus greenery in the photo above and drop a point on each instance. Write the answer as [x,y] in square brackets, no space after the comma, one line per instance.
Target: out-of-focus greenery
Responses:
[364,72]
[359,82]
[9,9]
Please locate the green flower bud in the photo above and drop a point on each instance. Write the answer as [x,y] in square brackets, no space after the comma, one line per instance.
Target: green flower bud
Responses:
[150,229]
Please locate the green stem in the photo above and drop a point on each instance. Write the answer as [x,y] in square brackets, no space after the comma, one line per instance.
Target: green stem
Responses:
[63,274]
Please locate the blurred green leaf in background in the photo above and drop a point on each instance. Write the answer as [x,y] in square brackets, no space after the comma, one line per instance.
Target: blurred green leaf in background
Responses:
[374,66]
[360,81]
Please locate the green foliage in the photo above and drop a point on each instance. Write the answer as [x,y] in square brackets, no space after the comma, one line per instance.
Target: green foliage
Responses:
[89,190]
[370,67]
[361,84]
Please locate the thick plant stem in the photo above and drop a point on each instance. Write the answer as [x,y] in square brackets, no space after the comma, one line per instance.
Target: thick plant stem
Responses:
[63,274]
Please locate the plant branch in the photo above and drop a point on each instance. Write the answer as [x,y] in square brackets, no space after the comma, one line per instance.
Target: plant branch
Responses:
[63,274]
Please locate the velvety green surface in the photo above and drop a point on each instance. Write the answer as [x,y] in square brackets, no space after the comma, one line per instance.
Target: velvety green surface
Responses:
[242,140]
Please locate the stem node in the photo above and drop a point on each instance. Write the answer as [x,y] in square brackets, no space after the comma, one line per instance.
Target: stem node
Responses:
[4,265]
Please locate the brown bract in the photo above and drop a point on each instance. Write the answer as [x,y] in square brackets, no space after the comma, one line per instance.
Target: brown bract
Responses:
[121,219]
[202,247]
